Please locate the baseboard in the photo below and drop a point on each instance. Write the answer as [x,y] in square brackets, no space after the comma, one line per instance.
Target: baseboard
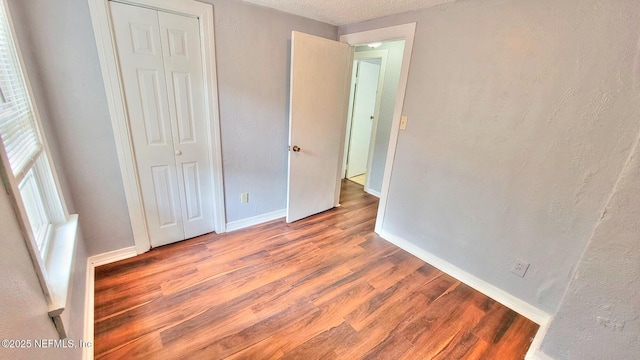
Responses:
[87,352]
[92,263]
[522,307]
[537,355]
[113,256]
[255,220]
[372,192]
[534,352]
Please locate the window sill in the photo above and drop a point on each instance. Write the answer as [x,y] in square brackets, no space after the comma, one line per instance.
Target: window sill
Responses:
[59,265]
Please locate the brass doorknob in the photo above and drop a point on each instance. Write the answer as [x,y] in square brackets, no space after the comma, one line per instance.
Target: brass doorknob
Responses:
[296,148]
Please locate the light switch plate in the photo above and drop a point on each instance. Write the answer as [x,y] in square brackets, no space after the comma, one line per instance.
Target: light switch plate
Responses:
[403,122]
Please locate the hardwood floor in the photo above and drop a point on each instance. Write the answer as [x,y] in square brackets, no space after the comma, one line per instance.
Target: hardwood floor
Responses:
[322,288]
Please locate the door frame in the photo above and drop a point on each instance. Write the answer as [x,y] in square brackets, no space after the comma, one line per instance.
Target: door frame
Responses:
[365,55]
[105,41]
[404,32]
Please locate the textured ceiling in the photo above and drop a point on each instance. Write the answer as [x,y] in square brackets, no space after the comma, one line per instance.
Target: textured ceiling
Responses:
[343,12]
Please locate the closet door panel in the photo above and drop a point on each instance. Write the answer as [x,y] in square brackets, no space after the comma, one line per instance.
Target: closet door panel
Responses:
[140,55]
[182,58]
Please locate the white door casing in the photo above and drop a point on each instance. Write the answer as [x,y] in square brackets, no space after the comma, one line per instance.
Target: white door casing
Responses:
[364,112]
[397,32]
[320,75]
[161,67]
[101,20]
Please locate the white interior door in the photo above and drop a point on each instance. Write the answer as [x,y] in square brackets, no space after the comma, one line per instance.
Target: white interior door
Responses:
[320,74]
[182,56]
[364,107]
[160,64]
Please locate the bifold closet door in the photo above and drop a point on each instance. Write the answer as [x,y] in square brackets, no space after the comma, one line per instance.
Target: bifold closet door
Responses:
[161,66]
[180,37]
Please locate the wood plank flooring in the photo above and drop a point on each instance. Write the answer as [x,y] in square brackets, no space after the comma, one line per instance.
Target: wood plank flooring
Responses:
[325,287]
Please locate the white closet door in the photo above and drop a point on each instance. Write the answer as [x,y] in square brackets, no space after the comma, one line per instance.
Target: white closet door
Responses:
[138,41]
[185,87]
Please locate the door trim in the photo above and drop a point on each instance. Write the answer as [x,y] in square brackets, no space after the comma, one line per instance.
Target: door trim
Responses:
[366,55]
[105,42]
[404,32]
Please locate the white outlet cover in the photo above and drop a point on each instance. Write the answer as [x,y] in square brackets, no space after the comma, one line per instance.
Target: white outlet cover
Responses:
[519,267]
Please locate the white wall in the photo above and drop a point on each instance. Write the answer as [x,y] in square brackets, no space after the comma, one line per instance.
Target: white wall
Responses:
[521,115]
[599,317]
[252,45]
[387,105]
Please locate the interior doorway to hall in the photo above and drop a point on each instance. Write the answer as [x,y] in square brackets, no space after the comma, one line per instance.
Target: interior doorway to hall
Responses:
[374,84]
[321,71]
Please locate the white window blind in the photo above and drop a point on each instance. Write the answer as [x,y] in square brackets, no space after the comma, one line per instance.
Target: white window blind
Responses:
[17,125]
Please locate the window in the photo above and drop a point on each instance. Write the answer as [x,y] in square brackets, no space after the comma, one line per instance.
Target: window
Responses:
[36,209]
[27,174]
[23,145]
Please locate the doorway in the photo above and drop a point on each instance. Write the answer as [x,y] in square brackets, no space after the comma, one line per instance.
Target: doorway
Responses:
[318,109]
[160,63]
[179,92]
[380,172]
[371,142]
[363,115]
[364,108]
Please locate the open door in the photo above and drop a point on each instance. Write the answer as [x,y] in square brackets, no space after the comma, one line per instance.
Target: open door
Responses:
[320,76]
[364,108]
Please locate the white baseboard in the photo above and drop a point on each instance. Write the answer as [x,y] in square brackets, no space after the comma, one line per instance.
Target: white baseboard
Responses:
[537,355]
[534,352]
[522,307]
[255,220]
[87,352]
[372,192]
[113,256]
[92,263]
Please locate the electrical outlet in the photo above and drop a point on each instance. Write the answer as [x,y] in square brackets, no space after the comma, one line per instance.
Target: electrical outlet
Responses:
[519,267]
[244,198]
